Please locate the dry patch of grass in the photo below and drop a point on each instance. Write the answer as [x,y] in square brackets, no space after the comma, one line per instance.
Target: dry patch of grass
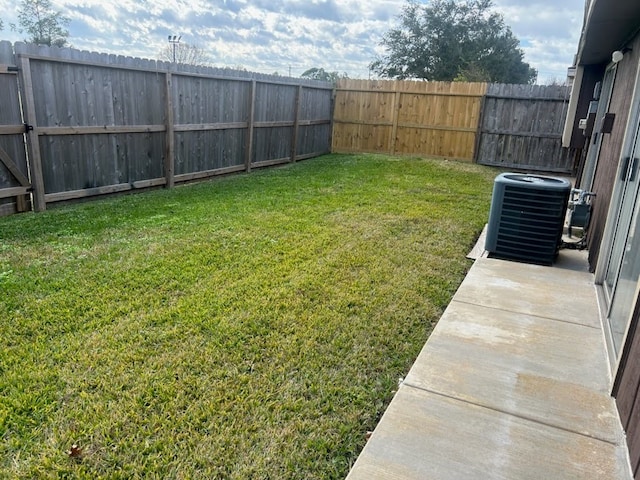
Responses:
[249,327]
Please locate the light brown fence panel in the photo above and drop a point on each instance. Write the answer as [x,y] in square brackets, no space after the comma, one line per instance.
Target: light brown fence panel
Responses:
[407,118]
[14,176]
[440,121]
[363,116]
[522,128]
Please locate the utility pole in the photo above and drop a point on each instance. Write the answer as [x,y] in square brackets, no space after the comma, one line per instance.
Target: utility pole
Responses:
[174,40]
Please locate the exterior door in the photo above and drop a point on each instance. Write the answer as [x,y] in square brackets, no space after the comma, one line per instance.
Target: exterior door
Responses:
[623,262]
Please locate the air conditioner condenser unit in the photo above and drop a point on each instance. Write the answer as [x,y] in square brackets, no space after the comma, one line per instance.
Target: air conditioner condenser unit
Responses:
[527,217]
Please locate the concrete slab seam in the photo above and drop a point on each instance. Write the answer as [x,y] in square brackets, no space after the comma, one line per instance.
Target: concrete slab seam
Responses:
[511,414]
[527,314]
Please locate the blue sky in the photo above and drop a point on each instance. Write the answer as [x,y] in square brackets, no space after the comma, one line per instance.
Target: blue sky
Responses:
[292,35]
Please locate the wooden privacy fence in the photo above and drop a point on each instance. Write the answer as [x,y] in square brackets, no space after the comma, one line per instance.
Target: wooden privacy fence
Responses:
[98,123]
[407,118]
[521,128]
[510,126]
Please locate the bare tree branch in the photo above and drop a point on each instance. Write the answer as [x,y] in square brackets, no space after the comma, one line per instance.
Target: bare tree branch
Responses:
[185,54]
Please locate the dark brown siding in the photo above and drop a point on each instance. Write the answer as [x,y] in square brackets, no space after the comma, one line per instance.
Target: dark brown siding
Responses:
[591,75]
[626,390]
[611,147]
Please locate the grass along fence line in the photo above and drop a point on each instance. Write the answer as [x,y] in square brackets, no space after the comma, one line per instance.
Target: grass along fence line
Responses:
[249,327]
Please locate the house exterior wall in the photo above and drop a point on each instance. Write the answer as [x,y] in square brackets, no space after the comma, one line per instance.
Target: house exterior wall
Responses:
[574,136]
[609,157]
[626,388]
[591,74]
[626,392]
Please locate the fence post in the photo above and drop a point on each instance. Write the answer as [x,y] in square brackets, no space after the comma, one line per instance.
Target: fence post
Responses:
[250,122]
[169,156]
[296,123]
[396,114]
[478,139]
[332,107]
[35,159]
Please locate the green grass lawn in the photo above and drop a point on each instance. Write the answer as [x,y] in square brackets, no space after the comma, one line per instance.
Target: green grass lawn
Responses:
[254,326]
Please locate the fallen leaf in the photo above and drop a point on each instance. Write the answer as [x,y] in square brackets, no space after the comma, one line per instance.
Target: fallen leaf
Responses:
[75,451]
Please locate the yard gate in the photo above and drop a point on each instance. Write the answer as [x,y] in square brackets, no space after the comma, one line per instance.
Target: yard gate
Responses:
[14,175]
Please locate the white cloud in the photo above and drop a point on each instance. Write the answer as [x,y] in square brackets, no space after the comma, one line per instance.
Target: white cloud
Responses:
[548,30]
[275,35]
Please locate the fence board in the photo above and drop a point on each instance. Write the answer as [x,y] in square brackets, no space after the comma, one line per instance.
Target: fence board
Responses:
[29,114]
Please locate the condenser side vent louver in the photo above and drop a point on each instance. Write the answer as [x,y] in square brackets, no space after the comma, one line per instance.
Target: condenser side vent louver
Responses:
[527,217]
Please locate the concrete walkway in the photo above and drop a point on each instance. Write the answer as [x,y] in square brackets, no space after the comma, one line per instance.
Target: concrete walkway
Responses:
[512,384]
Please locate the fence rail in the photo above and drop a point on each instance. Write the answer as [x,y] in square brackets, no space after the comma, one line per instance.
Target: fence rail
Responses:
[101,123]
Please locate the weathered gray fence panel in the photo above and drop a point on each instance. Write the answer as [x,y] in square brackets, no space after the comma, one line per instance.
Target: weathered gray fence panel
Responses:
[105,123]
[274,116]
[521,128]
[218,109]
[315,118]
[73,96]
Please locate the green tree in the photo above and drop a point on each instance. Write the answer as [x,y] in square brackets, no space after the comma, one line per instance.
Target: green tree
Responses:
[321,74]
[44,25]
[453,40]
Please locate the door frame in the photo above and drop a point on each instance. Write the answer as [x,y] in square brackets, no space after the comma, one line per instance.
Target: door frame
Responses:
[632,127]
